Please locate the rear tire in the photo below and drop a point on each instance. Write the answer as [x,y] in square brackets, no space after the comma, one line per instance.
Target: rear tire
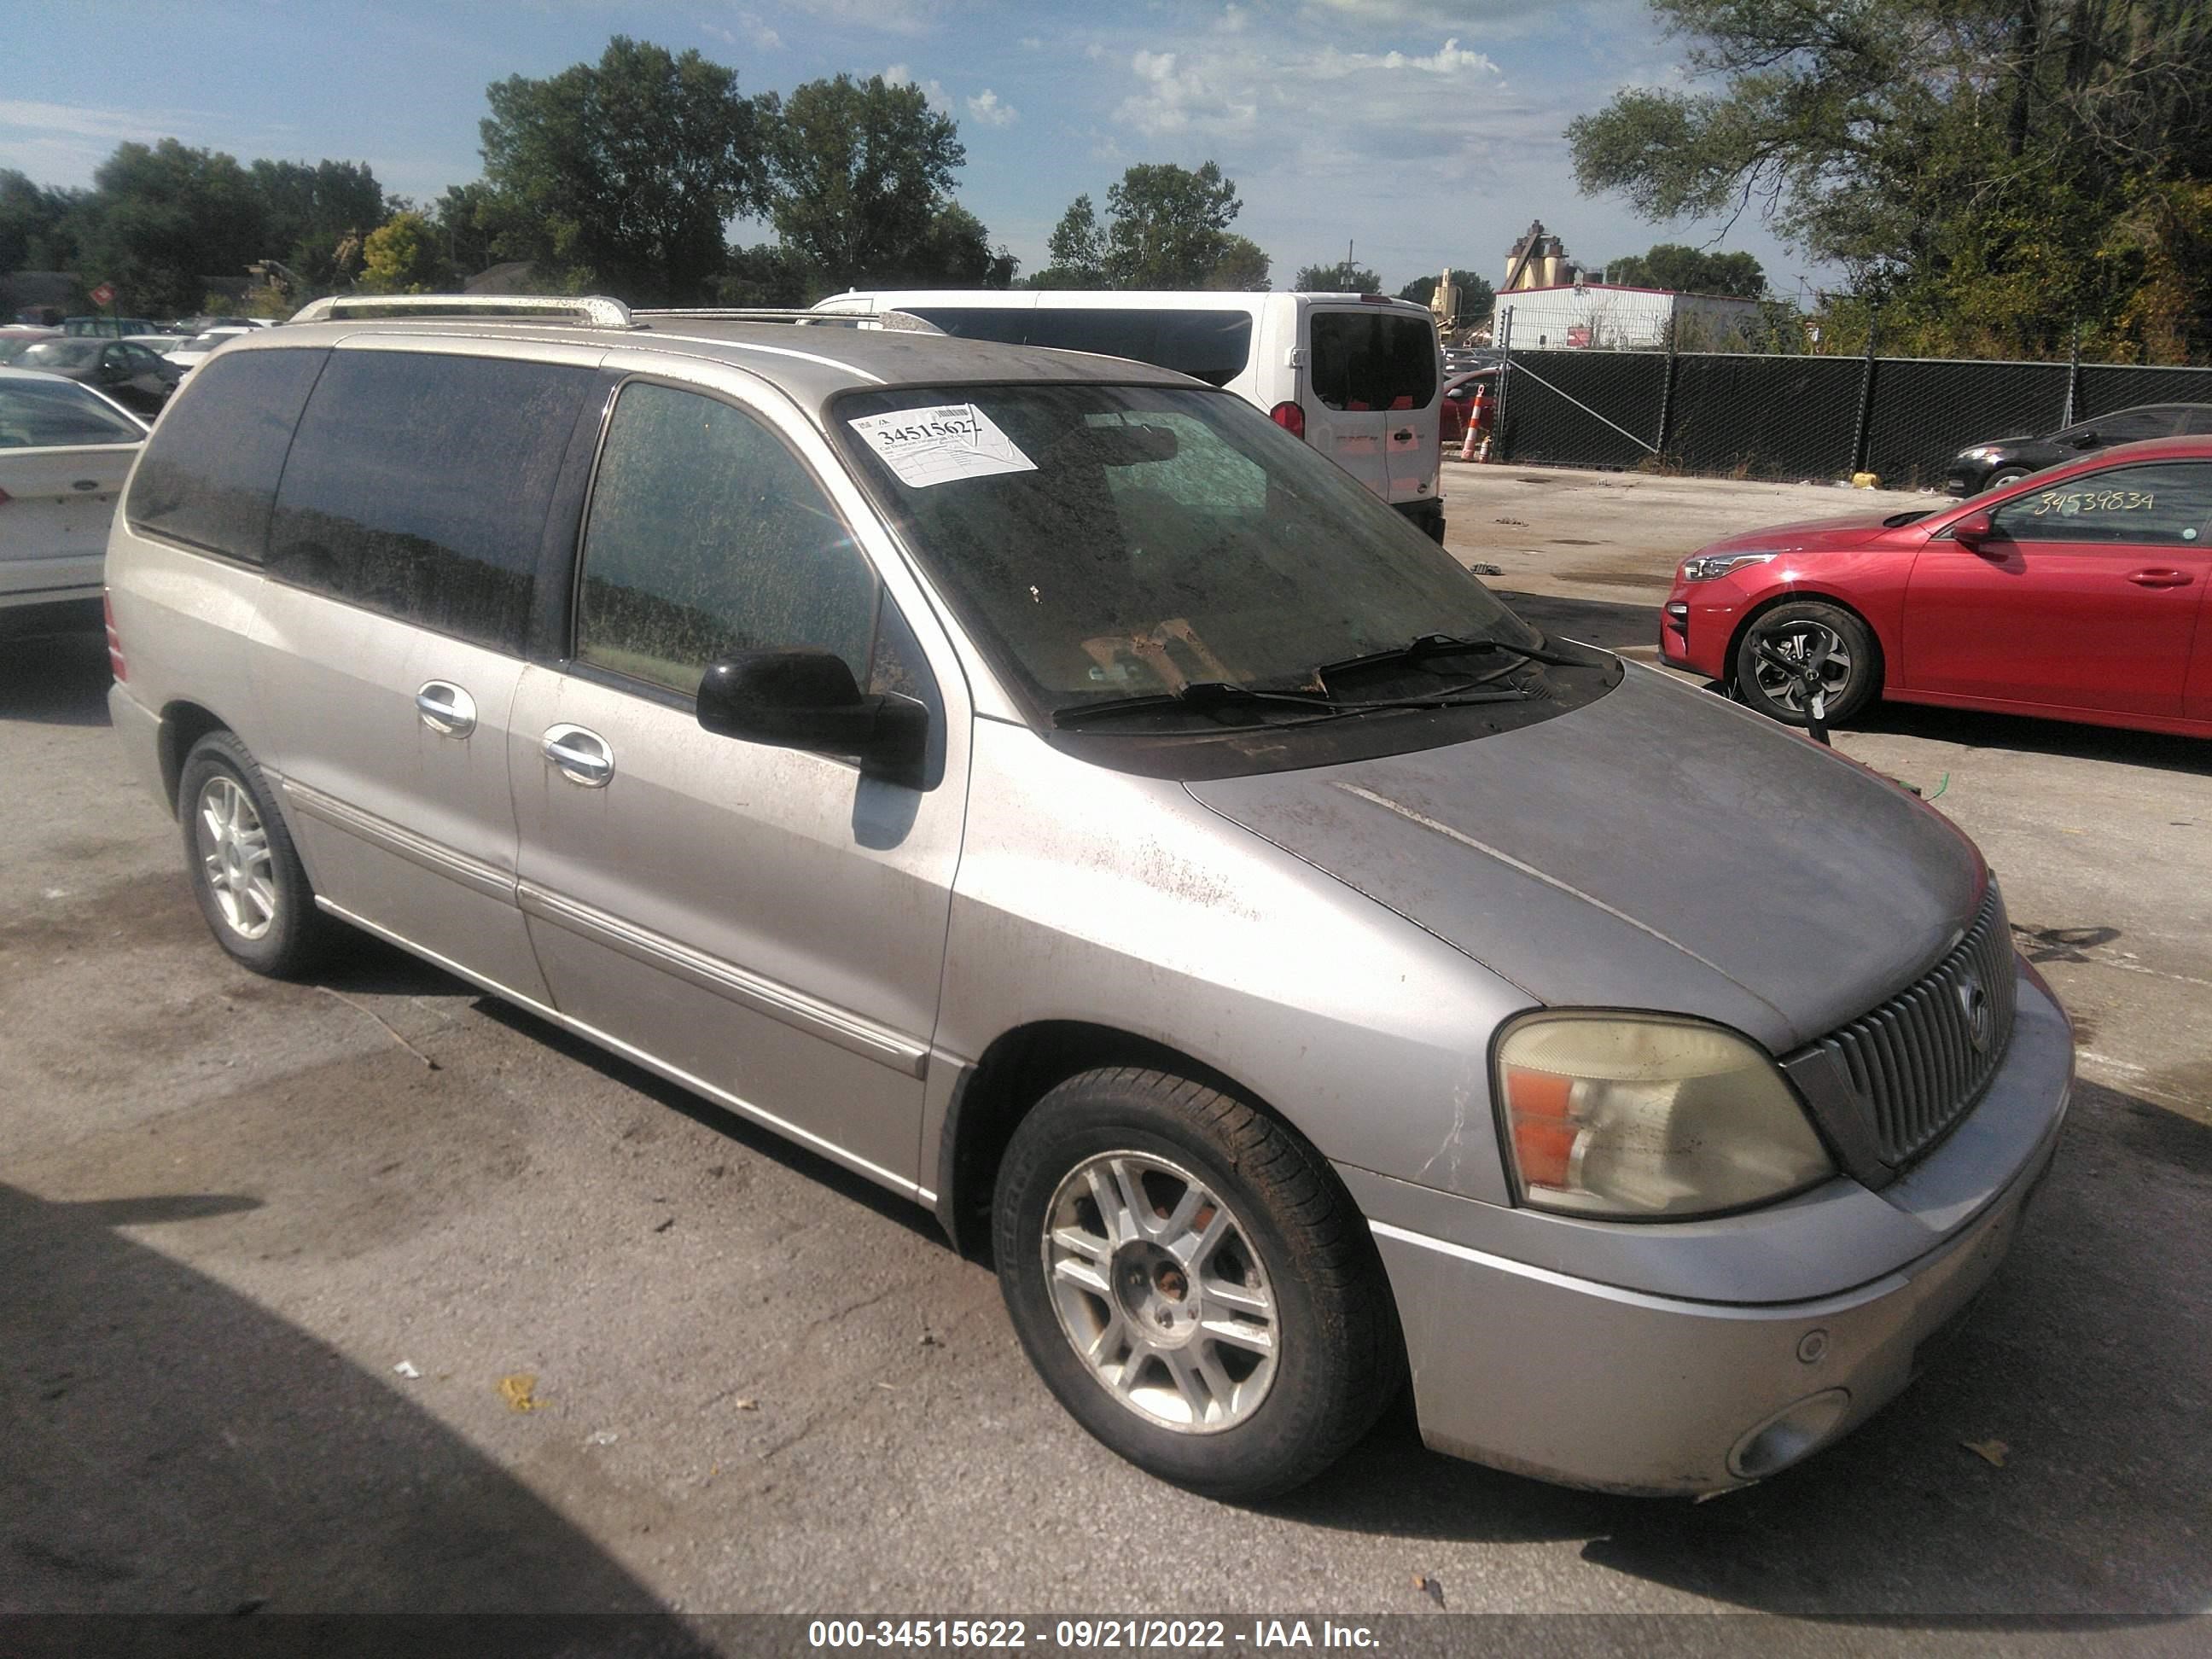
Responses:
[1191,1281]
[1794,629]
[245,872]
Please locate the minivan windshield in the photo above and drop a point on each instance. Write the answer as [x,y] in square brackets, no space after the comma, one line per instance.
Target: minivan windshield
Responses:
[1115,542]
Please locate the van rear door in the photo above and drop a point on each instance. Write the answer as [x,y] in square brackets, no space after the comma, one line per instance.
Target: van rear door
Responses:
[1372,402]
[1343,419]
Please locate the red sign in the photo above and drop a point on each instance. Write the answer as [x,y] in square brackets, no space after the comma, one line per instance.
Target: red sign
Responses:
[103,296]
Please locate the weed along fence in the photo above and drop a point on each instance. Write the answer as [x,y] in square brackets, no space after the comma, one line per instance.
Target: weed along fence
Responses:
[1757,416]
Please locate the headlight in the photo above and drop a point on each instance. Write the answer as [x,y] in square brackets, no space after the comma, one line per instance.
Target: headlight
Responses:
[1979,455]
[1649,1116]
[1706,566]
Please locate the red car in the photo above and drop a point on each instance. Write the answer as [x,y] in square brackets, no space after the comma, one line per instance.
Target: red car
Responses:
[2077,593]
[1470,396]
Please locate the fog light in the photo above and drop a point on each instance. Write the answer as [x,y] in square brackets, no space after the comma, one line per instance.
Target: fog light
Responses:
[1793,1433]
[1678,617]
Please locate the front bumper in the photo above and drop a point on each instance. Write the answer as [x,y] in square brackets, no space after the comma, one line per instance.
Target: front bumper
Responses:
[1591,1384]
[1696,624]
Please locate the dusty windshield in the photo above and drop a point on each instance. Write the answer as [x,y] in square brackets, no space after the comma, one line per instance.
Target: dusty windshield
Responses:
[1111,542]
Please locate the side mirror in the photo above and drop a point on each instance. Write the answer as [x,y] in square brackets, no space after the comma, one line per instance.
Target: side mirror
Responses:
[2087,440]
[808,699]
[1971,532]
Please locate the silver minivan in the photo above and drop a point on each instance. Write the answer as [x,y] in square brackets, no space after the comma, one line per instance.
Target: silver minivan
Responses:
[1044,785]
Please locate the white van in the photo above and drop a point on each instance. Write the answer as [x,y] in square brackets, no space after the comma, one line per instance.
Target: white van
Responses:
[1356,375]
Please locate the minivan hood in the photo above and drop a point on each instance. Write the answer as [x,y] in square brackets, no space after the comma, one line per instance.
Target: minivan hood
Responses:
[1658,849]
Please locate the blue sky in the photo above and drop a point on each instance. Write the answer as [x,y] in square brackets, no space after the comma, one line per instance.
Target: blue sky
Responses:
[1422,132]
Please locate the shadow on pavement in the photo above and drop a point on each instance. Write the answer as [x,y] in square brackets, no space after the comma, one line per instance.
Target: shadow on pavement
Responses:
[55,680]
[1977,730]
[1601,623]
[173,1448]
[2086,1358]
[760,1141]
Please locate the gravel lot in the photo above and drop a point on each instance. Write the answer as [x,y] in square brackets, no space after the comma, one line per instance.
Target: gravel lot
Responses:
[229,1208]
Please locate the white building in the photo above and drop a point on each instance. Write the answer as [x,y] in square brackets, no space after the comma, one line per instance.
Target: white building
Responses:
[1607,316]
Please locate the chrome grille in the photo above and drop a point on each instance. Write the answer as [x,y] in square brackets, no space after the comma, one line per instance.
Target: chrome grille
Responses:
[1914,1062]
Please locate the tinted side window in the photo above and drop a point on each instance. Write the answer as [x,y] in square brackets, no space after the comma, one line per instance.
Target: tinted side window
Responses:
[58,413]
[1212,346]
[707,536]
[2165,503]
[2129,427]
[1373,359]
[418,486]
[209,477]
[2199,421]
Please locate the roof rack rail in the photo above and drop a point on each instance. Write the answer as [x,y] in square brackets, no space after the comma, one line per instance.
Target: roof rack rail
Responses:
[902,321]
[595,310]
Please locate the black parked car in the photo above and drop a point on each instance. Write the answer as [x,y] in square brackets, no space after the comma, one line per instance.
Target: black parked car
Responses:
[134,377]
[1997,461]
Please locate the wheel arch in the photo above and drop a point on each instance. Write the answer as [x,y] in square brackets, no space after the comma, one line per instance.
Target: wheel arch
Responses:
[184,723]
[1816,595]
[1022,1066]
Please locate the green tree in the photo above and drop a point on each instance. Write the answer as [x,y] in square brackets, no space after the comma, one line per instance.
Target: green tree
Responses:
[1076,250]
[162,218]
[31,221]
[1242,267]
[401,256]
[863,169]
[956,252]
[1170,226]
[1987,171]
[1475,295]
[769,275]
[465,232]
[1342,277]
[310,211]
[626,169]
[1689,270]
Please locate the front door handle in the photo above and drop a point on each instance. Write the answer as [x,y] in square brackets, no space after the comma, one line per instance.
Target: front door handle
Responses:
[2160,578]
[579,755]
[86,484]
[446,708]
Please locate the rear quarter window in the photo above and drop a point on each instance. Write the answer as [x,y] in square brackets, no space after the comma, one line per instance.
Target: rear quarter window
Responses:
[48,415]
[209,473]
[419,483]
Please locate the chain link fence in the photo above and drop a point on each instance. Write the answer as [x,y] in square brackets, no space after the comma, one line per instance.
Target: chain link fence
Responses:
[1798,417]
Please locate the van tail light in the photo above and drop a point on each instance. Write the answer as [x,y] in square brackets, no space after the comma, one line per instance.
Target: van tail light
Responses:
[1291,417]
[114,639]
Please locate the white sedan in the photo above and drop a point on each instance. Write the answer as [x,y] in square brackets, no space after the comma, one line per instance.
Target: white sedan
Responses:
[64,452]
[189,354]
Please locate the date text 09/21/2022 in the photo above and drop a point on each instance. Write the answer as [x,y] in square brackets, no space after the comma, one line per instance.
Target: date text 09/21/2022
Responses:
[1088,1635]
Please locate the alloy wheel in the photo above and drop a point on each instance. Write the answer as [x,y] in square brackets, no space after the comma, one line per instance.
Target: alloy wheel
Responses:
[1160,1292]
[1802,644]
[234,849]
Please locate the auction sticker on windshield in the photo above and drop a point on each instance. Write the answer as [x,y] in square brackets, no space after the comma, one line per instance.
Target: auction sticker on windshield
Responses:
[925,447]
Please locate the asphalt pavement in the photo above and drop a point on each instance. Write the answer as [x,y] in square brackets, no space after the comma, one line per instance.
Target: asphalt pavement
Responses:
[370,1293]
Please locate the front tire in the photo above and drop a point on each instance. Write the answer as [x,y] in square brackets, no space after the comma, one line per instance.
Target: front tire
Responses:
[244,871]
[2003,478]
[1804,630]
[1190,1280]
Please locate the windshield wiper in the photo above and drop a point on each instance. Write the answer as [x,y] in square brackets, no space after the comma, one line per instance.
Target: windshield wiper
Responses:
[1424,646]
[1208,696]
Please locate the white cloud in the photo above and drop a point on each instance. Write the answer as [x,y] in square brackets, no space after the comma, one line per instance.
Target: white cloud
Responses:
[986,107]
[84,121]
[1030,43]
[1216,100]
[1233,20]
[900,75]
[1448,59]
